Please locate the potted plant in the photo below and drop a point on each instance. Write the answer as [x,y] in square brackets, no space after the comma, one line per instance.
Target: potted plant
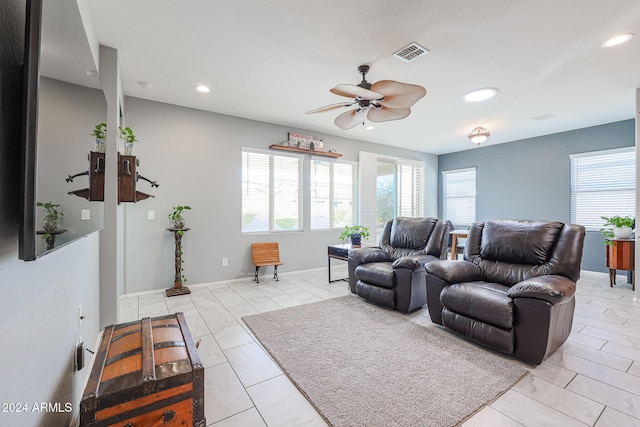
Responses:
[356,233]
[52,218]
[176,218]
[100,134]
[618,227]
[129,138]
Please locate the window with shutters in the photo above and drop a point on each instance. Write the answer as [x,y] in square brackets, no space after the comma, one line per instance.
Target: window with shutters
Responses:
[459,196]
[271,192]
[603,183]
[333,186]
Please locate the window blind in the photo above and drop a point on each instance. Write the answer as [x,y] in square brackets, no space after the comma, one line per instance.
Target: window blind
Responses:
[332,194]
[602,184]
[459,196]
[271,192]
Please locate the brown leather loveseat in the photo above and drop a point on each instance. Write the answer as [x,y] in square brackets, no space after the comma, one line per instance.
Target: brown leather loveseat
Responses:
[393,274]
[514,290]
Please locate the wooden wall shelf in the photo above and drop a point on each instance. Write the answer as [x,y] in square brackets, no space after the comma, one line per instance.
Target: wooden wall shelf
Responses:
[304,151]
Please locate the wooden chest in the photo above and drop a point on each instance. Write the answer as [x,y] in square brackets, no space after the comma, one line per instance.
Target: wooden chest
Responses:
[146,373]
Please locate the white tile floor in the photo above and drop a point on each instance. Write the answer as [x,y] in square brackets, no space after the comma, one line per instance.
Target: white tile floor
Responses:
[593,380]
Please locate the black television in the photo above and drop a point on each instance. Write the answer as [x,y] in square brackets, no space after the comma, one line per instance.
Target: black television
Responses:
[62,102]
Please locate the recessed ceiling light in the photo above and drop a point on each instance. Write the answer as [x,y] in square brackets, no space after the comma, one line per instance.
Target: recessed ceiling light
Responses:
[370,127]
[615,41]
[145,85]
[92,73]
[480,94]
[202,88]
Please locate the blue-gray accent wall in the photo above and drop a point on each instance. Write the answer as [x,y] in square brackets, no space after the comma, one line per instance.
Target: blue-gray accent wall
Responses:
[531,178]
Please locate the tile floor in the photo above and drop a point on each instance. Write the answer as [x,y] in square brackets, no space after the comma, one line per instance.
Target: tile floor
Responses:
[593,380]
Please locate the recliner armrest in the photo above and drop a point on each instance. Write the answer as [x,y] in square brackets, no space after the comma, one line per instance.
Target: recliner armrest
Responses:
[454,271]
[371,254]
[413,262]
[551,288]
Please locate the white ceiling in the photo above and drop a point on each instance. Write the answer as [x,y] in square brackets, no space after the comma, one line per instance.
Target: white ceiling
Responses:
[274,60]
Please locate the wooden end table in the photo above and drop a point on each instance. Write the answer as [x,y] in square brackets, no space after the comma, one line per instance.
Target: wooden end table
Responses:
[621,256]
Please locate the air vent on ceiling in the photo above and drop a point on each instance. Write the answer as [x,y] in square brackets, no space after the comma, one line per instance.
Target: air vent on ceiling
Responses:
[411,52]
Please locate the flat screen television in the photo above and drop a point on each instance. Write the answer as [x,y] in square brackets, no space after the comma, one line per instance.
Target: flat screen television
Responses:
[62,102]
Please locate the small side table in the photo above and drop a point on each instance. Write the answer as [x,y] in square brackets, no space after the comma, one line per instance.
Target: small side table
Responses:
[454,241]
[341,252]
[178,289]
[621,256]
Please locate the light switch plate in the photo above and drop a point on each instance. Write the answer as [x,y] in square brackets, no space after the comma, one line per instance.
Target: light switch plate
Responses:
[151,215]
[85,214]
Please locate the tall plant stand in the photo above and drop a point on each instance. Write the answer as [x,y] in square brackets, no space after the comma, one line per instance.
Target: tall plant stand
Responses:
[178,289]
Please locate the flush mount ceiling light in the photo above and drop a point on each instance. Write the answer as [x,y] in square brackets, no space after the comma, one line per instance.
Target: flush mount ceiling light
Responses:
[202,89]
[479,135]
[480,94]
[615,41]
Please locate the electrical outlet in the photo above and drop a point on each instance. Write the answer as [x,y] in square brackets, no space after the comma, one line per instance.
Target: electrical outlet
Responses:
[151,215]
[225,262]
[85,214]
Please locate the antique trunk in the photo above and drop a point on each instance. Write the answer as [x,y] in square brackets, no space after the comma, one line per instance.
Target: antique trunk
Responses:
[146,373]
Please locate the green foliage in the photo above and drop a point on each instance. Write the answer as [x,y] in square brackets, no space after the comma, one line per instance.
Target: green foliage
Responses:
[127,135]
[52,217]
[354,229]
[286,223]
[100,131]
[615,222]
[177,212]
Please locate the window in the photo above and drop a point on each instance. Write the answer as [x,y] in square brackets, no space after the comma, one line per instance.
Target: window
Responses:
[271,192]
[411,194]
[332,194]
[603,183]
[459,196]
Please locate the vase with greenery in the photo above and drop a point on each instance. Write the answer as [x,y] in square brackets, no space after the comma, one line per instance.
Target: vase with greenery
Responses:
[129,138]
[617,227]
[100,135]
[52,218]
[176,218]
[356,233]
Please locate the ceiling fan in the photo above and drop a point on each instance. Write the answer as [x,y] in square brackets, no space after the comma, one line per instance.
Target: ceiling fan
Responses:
[379,102]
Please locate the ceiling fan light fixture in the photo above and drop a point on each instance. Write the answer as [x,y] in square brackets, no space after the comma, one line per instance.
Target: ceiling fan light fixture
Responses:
[480,94]
[617,40]
[479,135]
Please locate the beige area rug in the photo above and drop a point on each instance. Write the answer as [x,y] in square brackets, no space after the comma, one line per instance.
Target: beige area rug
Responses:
[362,365]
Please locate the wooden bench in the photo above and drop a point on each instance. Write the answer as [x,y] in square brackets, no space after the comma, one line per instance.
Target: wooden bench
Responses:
[263,255]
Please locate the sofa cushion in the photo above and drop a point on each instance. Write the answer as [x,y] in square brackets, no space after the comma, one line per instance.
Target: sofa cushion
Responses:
[411,233]
[376,273]
[484,301]
[519,242]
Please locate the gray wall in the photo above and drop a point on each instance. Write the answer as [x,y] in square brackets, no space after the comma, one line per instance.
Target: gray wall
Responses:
[196,158]
[530,179]
[40,299]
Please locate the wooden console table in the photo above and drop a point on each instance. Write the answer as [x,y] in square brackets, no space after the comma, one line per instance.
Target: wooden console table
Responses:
[621,256]
[178,289]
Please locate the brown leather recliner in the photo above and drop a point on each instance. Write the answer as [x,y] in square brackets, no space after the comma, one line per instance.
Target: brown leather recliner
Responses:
[514,290]
[393,274]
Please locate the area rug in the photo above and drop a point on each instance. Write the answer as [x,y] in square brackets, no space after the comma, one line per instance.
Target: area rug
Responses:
[362,365]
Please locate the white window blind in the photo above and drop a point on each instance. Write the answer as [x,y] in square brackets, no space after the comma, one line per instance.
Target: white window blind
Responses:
[271,189]
[602,184]
[459,196]
[411,198]
[332,194]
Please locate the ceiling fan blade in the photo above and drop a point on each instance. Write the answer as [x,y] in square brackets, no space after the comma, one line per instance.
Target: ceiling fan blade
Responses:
[398,95]
[387,114]
[330,107]
[350,119]
[353,91]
